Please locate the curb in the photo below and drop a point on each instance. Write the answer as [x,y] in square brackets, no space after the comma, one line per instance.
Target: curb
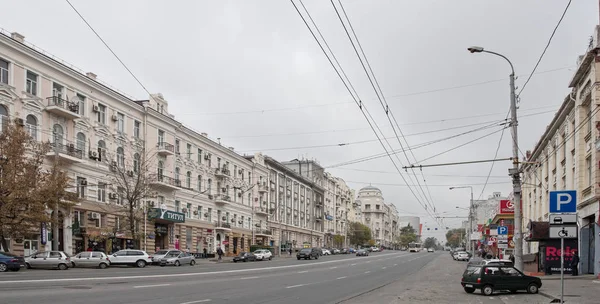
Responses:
[551,297]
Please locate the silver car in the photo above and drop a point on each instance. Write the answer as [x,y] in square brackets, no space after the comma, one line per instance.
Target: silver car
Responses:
[90,259]
[48,259]
[159,255]
[178,259]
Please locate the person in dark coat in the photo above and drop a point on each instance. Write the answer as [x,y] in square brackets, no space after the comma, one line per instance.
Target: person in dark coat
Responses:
[511,257]
[575,263]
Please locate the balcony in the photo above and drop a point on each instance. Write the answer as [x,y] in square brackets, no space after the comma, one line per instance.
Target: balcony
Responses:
[319,218]
[165,149]
[221,173]
[164,182]
[66,152]
[222,199]
[262,233]
[261,211]
[222,226]
[63,108]
[319,204]
[262,189]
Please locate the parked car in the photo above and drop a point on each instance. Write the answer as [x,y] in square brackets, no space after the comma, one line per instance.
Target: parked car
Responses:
[178,259]
[430,250]
[131,257]
[344,251]
[375,249]
[159,255]
[362,252]
[325,251]
[351,250]
[244,257]
[10,261]
[263,254]
[335,251]
[476,261]
[462,256]
[48,259]
[490,278]
[90,259]
[308,253]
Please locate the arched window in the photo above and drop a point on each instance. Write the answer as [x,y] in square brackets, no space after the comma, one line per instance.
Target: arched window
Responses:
[31,126]
[161,168]
[136,162]
[199,183]
[81,141]
[188,180]
[57,134]
[102,147]
[120,157]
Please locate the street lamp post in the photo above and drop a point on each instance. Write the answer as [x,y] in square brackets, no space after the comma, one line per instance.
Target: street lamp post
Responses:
[514,171]
[470,244]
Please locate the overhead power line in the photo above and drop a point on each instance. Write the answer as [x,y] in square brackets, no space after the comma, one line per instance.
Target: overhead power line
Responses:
[546,47]
[495,156]
[434,185]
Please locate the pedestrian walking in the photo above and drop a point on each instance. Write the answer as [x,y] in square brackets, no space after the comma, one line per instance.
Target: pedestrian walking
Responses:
[220,253]
[290,250]
[575,263]
[511,257]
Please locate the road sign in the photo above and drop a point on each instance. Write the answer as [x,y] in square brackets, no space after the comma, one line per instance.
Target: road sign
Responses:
[567,232]
[493,231]
[502,230]
[493,239]
[502,237]
[563,201]
[502,241]
[561,219]
[503,246]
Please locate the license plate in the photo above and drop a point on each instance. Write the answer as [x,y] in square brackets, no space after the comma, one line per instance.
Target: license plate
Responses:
[469,285]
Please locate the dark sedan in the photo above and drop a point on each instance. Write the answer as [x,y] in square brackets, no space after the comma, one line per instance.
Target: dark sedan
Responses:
[9,261]
[244,257]
[362,252]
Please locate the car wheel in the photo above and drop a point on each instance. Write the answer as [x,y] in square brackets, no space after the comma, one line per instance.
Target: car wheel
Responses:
[532,288]
[235,261]
[469,289]
[487,290]
[317,257]
[298,259]
[162,265]
[72,264]
[513,291]
[177,263]
[16,269]
[63,266]
[3,267]
[102,265]
[27,266]
[245,260]
[140,264]
[270,258]
[192,262]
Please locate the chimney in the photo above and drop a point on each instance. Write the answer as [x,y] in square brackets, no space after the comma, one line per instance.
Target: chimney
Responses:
[18,37]
[91,75]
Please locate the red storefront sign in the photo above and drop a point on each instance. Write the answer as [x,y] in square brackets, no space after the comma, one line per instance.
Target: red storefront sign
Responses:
[507,207]
[479,227]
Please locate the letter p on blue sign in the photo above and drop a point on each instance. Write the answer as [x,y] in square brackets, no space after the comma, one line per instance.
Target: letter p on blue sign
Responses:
[563,201]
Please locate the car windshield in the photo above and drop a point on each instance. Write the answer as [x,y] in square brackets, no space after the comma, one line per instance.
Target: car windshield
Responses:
[305,250]
[472,270]
[161,252]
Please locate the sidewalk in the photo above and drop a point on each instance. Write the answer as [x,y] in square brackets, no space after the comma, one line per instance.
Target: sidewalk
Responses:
[581,289]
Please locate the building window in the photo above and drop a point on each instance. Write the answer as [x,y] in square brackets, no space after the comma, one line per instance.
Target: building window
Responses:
[209,185]
[31,83]
[200,215]
[188,180]
[199,183]
[102,147]
[161,136]
[209,218]
[121,122]
[120,157]
[589,117]
[189,151]
[136,162]
[189,210]
[199,156]
[81,103]
[234,171]
[101,116]
[235,195]
[177,173]
[177,206]
[3,71]
[81,142]
[250,177]
[160,169]
[588,165]
[136,129]
[57,132]
[31,126]
[177,146]
[101,192]
[81,182]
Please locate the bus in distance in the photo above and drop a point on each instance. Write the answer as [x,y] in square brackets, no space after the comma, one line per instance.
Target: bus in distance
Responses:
[414,247]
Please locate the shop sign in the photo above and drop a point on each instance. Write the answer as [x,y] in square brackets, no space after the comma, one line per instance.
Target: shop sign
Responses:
[552,254]
[507,207]
[167,215]
[44,234]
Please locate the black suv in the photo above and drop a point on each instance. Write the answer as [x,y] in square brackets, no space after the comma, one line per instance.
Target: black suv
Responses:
[498,276]
[308,253]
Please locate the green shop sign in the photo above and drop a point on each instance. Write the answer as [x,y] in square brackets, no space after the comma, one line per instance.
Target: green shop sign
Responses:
[167,215]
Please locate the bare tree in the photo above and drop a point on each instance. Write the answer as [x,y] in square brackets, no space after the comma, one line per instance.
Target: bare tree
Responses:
[29,186]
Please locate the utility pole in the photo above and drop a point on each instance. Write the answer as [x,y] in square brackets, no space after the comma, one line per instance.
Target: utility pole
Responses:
[55,217]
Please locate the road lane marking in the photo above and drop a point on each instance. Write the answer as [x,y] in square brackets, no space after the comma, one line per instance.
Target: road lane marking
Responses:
[303,271]
[299,285]
[383,267]
[395,264]
[209,273]
[367,271]
[353,264]
[199,301]
[148,286]
[334,267]
[341,278]
[368,262]
[247,278]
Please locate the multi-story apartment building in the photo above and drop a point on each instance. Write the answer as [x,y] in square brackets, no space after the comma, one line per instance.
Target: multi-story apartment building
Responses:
[377,215]
[566,158]
[202,195]
[295,207]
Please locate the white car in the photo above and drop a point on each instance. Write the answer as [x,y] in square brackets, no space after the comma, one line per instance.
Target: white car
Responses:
[325,251]
[375,249]
[131,257]
[263,254]
[462,256]
[430,250]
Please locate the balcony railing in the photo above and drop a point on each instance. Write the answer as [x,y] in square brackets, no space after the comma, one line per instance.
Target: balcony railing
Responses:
[56,101]
[68,149]
[165,180]
[223,225]
[262,231]
[164,148]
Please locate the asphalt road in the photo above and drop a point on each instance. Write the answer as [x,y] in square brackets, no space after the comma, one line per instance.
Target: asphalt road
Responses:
[330,279]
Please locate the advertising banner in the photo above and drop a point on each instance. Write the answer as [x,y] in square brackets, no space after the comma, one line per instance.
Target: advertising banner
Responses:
[551,255]
[507,207]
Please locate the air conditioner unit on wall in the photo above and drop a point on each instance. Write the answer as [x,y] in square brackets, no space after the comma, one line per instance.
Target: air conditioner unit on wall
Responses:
[114,117]
[96,108]
[95,215]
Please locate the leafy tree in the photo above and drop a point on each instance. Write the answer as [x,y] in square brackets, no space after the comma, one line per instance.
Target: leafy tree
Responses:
[455,237]
[358,233]
[29,185]
[338,241]
[430,242]
[371,242]
[407,235]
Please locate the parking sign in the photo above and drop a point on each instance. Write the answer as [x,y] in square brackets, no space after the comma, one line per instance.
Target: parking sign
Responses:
[502,230]
[563,201]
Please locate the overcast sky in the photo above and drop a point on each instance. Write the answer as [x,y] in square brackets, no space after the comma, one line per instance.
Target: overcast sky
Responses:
[249,71]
